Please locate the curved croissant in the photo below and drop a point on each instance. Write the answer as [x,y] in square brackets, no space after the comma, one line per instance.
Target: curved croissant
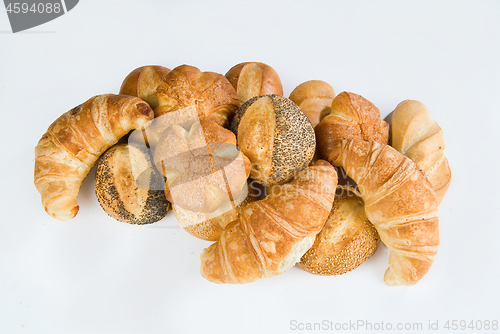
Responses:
[420,138]
[73,143]
[399,201]
[272,234]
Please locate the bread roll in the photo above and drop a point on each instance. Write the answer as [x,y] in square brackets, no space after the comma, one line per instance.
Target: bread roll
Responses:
[276,136]
[209,226]
[203,167]
[347,239]
[351,117]
[128,187]
[315,98]
[143,83]
[254,79]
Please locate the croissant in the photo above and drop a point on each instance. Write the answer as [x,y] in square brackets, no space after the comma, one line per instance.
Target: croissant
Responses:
[420,138]
[399,201]
[272,234]
[73,143]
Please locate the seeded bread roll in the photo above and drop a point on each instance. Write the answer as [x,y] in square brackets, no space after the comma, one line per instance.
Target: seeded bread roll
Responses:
[276,136]
[315,98]
[347,239]
[128,186]
[254,79]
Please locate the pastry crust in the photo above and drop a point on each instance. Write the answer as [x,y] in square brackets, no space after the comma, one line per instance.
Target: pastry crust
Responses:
[416,135]
[399,201]
[272,234]
[73,143]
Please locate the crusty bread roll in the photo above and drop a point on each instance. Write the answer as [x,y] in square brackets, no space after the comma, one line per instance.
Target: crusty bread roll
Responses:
[254,79]
[420,138]
[143,83]
[347,239]
[315,98]
[203,167]
[400,203]
[128,187]
[184,89]
[73,143]
[351,117]
[272,234]
[209,226]
[276,136]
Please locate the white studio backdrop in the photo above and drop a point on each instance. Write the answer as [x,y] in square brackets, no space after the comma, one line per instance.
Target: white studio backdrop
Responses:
[93,274]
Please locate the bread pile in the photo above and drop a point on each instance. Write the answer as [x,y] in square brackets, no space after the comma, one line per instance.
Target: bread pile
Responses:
[210,146]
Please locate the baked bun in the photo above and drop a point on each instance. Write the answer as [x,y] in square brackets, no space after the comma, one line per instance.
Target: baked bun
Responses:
[347,239]
[203,167]
[209,226]
[351,117]
[143,83]
[128,186]
[276,136]
[254,79]
[315,98]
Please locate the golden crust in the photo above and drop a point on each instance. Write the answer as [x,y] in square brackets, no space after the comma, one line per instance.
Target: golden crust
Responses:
[210,93]
[272,234]
[210,226]
[352,117]
[252,79]
[315,98]
[143,82]
[73,143]
[400,203]
[420,138]
[204,169]
[347,239]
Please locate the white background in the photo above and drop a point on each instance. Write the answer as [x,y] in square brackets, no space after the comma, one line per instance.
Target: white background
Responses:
[96,275]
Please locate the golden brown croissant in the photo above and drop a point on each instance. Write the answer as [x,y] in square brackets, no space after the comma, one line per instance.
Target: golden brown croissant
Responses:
[73,143]
[272,234]
[399,201]
[420,138]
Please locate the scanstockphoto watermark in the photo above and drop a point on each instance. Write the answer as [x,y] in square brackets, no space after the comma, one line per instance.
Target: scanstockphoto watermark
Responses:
[355,325]
[366,325]
[26,14]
